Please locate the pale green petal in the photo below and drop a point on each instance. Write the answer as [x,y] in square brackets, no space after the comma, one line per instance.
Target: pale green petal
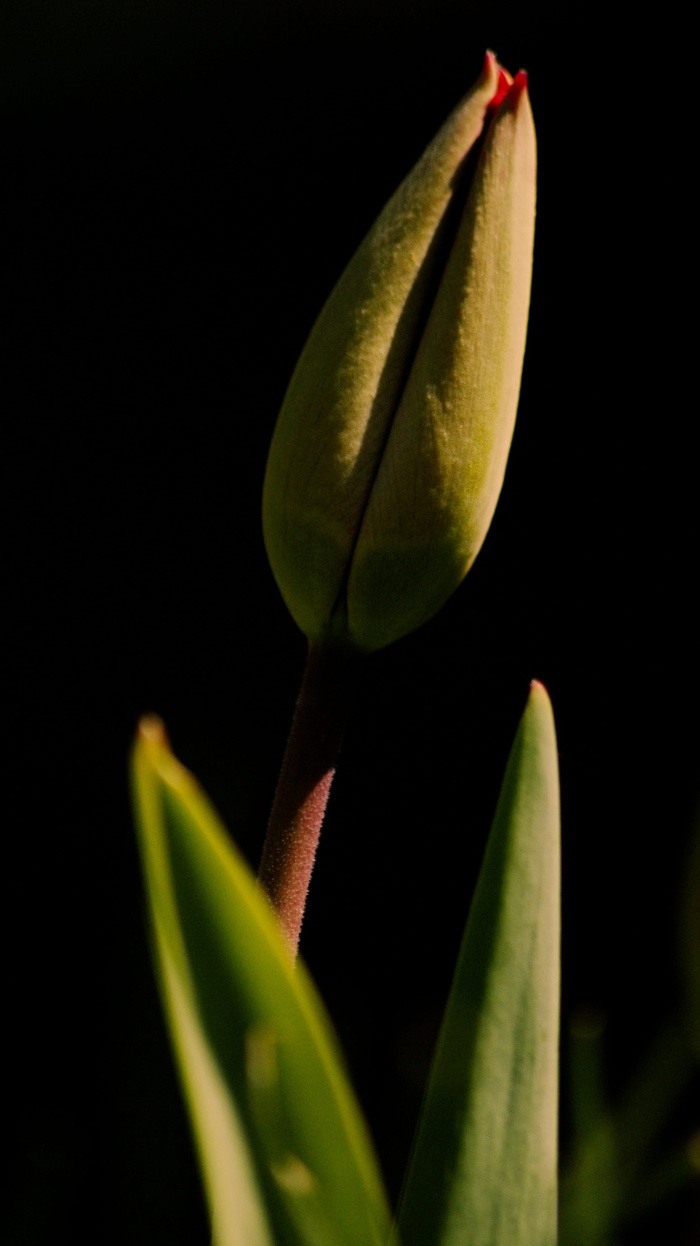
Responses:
[346,386]
[442,469]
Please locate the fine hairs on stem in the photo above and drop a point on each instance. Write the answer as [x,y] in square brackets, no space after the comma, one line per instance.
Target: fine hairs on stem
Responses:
[304,784]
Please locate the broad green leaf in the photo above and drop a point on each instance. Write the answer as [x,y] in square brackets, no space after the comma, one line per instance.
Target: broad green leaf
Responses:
[483,1169]
[285,1155]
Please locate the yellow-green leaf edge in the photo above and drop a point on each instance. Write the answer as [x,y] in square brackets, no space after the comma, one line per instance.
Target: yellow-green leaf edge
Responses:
[260,1067]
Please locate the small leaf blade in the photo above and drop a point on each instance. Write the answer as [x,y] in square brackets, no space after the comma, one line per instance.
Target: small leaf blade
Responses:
[240,1009]
[483,1168]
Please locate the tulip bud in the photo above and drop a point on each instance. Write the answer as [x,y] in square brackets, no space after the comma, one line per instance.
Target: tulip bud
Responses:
[390,449]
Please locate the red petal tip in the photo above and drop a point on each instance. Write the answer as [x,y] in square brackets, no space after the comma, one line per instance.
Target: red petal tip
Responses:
[503,88]
[519,86]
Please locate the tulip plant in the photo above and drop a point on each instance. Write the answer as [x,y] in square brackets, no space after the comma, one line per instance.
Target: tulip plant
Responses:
[384,471]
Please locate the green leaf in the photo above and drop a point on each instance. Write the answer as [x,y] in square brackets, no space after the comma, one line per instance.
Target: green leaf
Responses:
[483,1169]
[285,1156]
[589,1188]
[621,1167]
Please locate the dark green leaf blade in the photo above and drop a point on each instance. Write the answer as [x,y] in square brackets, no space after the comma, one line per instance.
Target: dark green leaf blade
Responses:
[483,1169]
[257,1057]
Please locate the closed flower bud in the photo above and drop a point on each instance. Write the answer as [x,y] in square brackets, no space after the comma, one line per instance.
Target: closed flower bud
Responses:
[389,453]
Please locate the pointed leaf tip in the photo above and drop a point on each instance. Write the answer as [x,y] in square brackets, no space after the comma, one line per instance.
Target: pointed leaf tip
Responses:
[537,689]
[483,1168]
[151,730]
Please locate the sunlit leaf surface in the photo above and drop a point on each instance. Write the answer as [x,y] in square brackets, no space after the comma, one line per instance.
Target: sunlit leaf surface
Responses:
[483,1171]
[284,1151]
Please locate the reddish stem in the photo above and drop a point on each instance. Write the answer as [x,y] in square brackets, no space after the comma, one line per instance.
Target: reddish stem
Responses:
[305,780]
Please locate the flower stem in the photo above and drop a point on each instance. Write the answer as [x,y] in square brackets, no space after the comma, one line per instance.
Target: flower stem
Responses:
[316,734]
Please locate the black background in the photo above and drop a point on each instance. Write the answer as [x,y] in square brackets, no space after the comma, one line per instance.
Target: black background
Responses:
[185,183]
